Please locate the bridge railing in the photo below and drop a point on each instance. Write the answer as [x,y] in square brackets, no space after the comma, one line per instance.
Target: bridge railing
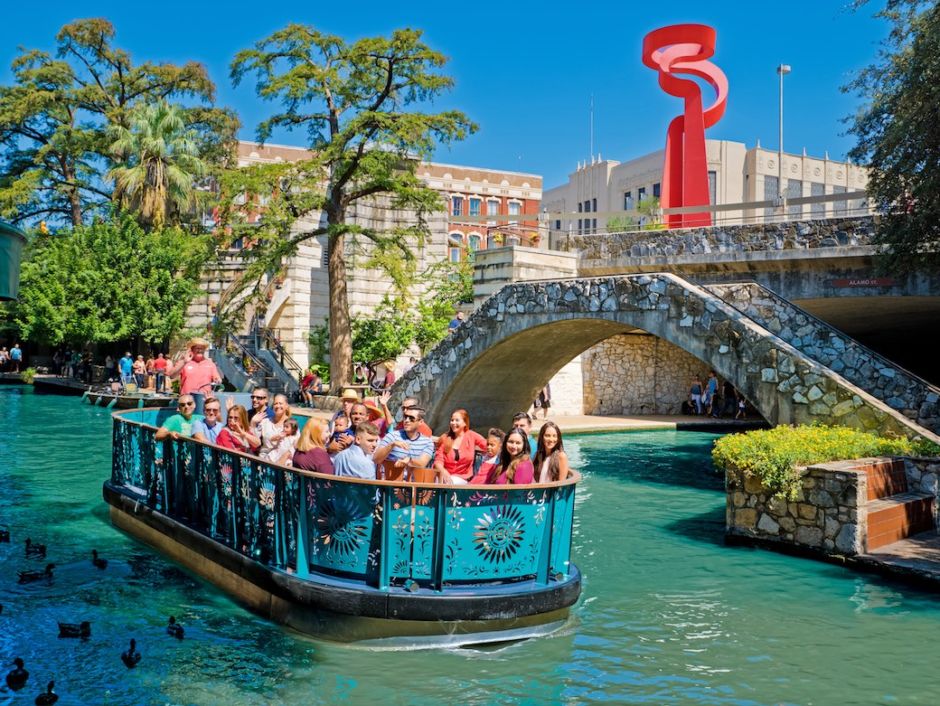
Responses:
[375,533]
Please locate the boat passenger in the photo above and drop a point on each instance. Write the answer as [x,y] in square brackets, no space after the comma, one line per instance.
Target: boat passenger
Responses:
[515,467]
[237,434]
[401,449]
[196,372]
[283,451]
[551,461]
[180,424]
[522,420]
[343,435]
[494,447]
[348,398]
[454,458]
[259,409]
[379,413]
[358,414]
[209,428]
[356,461]
[409,403]
[272,430]
[310,451]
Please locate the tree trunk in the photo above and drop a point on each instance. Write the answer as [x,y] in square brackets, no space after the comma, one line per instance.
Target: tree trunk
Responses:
[340,330]
[75,200]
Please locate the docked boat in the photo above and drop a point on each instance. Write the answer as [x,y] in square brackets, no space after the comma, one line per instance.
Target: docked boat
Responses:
[108,397]
[58,385]
[378,563]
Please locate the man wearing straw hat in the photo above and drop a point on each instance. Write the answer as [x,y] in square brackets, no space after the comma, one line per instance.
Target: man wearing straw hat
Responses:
[197,373]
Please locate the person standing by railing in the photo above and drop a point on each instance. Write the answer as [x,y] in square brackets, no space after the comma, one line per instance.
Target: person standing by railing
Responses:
[196,372]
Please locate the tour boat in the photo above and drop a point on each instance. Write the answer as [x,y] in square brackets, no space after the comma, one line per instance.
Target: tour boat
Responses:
[378,563]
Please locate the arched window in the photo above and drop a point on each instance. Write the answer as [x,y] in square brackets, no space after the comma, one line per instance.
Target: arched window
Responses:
[455,246]
[474,241]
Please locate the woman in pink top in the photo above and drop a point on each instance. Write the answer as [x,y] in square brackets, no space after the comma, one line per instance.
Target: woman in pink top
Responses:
[454,457]
[515,468]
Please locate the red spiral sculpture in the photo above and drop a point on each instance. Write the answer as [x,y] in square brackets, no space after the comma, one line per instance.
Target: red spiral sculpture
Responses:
[684,49]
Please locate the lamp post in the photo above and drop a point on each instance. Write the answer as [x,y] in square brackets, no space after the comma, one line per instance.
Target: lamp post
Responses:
[782,70]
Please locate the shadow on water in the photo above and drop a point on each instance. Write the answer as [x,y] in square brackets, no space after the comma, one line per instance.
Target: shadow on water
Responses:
[708,527]
[686,464]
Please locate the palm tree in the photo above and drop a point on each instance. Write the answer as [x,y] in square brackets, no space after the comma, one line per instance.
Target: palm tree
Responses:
[160,164]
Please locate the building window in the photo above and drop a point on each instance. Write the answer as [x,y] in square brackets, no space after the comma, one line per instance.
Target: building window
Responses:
[712,186]
[770,193]
[558,225]
[794,191]
[492,208]
[594,205]
[515,208]
[839,207]
[817,210]
[579,207]
[457,205]
[587,206]
[657,190]
[579,226]
[593,225]
[475,206]
[473,242]
[627,200]
[455,254]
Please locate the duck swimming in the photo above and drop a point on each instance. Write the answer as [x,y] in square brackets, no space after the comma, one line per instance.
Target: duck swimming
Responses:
[100,563]
[37,550]
[48,697]
[174,629]
[132,656]
[16,678]
[82,630]
[31,576]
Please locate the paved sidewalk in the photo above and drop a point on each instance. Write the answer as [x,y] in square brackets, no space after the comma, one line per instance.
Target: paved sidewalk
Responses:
[915,557]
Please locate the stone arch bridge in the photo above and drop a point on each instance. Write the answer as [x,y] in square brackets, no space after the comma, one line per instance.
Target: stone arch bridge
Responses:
[495,363]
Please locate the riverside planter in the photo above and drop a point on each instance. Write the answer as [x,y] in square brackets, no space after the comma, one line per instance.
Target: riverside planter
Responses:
[824,515]
[12,241]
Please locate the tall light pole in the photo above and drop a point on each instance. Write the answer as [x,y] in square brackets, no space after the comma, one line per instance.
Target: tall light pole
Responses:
[782,71]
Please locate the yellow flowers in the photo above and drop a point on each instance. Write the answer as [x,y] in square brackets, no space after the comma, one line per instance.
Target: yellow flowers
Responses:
[773,455]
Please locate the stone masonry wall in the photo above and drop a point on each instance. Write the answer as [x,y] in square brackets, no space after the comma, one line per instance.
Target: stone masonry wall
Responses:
[637,374]
[922,477]
[496,361]
[913,397]
[825,516]
[801,235]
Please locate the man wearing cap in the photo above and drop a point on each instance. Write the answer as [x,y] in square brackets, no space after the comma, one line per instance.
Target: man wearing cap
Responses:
[197,373]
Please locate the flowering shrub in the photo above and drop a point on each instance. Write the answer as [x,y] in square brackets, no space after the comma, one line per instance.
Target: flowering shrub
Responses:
[774,455]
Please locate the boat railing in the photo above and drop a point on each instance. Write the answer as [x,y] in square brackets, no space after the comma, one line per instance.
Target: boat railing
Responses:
[379,534]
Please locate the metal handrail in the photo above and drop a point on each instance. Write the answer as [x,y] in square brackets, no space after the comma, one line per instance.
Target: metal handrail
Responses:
[274,345]
[243,350]
[273,514]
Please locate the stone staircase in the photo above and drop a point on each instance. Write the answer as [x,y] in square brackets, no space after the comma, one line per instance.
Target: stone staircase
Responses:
[894,511]
[898,388]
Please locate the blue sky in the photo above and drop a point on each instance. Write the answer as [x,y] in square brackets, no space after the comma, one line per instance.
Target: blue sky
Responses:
[525,71]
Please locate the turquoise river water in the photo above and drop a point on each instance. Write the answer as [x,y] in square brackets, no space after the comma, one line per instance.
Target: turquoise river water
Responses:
[668,615]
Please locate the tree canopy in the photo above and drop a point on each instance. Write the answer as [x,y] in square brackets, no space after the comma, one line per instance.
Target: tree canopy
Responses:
[898,131]
[107,282]
[55,117]
[360,105]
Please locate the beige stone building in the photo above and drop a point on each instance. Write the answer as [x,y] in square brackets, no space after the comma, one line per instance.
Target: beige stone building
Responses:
[603,189]
[480,203]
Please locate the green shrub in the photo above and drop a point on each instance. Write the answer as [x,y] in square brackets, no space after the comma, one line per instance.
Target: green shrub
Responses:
[773,455]
[28,375]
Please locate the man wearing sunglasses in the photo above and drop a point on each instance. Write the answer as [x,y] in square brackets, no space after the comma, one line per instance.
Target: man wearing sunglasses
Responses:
[259,409]
[180,424]
[406,447]
[412,403]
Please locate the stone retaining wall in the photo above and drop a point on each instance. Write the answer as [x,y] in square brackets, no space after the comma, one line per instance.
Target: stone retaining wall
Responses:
[637,374]
[825,515]
[801,235]
[913,397]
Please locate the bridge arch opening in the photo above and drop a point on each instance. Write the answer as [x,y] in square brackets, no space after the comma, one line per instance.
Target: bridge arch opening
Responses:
[506,378]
